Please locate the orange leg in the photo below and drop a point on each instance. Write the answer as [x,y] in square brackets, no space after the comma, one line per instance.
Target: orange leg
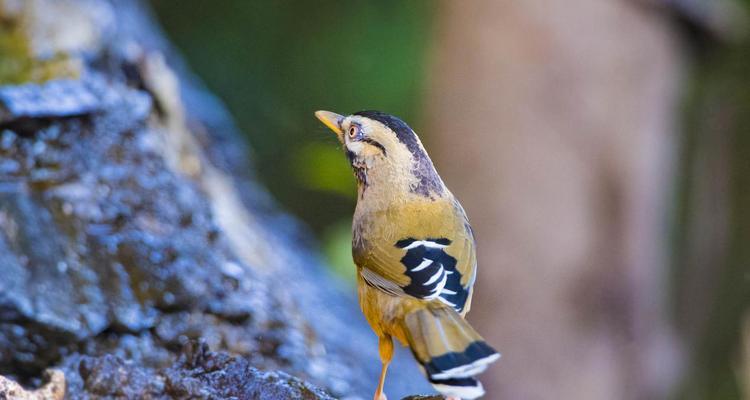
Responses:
[385,346]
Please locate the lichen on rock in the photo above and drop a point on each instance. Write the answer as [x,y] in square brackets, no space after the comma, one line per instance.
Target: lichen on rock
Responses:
[131,225]
[28,56]
[53,388]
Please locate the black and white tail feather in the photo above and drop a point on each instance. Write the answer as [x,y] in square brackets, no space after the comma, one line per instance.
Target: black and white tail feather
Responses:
[450,352]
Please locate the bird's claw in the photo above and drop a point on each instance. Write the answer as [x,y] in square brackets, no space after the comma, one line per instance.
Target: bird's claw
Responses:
[380,396]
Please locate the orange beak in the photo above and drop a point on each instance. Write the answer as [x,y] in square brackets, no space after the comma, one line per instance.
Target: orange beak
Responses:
[331,120]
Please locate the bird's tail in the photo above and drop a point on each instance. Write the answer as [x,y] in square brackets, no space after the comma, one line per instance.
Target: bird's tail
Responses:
[450,351]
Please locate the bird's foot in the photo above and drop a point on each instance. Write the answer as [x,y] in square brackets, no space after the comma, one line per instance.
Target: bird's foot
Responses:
[380,396]
[452,398]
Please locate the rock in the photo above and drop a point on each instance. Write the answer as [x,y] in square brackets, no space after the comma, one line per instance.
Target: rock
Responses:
[53,389]
[130,224]
[198,374]
[60,98]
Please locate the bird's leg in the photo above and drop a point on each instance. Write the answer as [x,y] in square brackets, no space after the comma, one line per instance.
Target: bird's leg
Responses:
[385,346]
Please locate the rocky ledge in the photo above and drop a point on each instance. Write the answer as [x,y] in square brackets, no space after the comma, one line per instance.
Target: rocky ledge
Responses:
[131,226]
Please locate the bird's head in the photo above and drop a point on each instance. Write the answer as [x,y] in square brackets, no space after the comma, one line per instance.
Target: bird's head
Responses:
[384,150]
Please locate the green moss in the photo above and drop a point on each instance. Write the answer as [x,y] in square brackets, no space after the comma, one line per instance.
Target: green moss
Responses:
[19,65]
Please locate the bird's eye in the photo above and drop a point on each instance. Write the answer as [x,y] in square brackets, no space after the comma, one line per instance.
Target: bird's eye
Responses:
[353,131]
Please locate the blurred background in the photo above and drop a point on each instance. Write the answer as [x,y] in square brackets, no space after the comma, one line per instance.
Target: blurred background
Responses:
[600,148]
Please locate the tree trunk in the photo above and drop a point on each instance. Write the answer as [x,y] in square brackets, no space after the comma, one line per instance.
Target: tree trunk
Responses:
[553,122]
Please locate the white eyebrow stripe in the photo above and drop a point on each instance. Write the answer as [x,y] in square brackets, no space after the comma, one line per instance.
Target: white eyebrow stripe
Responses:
[425,243]
[426,262]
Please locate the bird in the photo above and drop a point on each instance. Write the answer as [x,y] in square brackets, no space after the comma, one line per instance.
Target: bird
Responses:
[415,254]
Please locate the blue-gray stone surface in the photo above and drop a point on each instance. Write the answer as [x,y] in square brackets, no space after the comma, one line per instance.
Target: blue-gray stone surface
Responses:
[131,225]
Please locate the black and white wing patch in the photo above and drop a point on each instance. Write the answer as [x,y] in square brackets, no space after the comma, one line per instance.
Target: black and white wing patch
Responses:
[433,272]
